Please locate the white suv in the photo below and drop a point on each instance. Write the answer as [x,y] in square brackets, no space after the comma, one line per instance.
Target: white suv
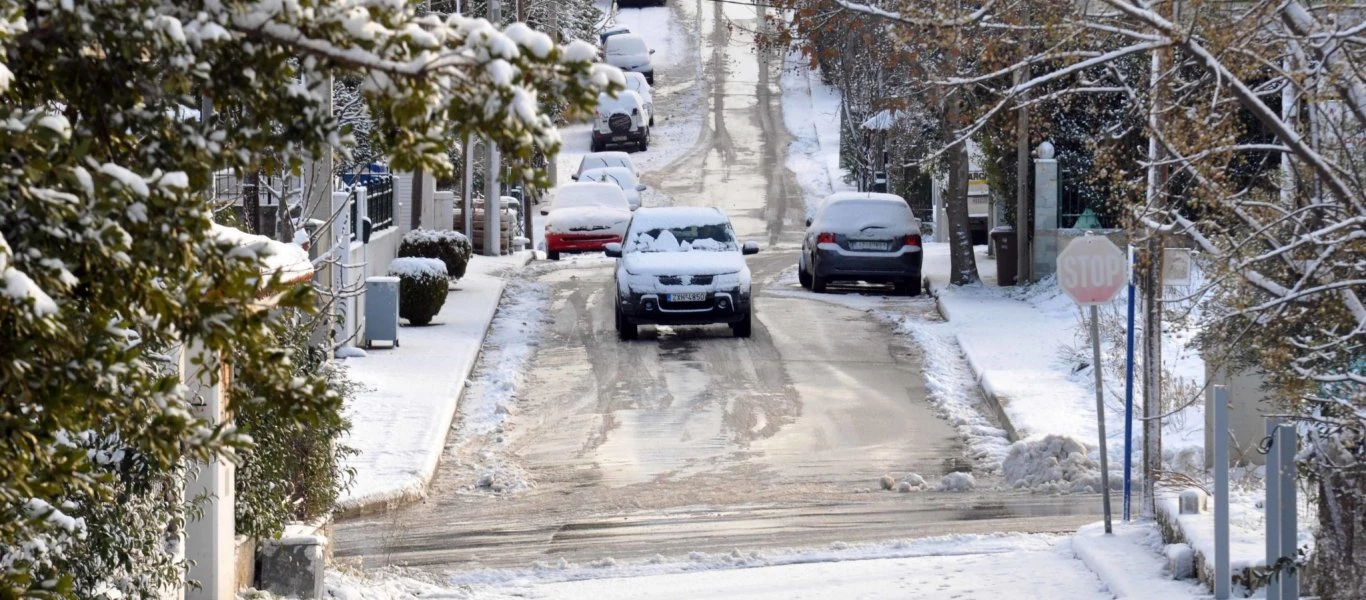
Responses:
[681,266]
[628,52]
[621,120]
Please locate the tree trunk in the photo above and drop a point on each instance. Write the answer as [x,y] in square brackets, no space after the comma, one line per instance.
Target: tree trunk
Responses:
[251,202]
[962,262]
[1340,553]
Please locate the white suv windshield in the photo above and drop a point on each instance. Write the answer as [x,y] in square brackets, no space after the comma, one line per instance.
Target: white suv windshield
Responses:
[674,237]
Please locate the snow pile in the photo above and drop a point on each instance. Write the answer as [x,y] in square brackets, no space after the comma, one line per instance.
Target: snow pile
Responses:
[1054,464]
[416,266]
[957,482]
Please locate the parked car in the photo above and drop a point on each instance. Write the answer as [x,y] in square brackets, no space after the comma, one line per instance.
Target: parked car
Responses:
[637,83]
[635,3]
[628,52]
[584,217]
[598,160]
[862,236]
[620,119]
[681,266]
[622,177]
[606,33]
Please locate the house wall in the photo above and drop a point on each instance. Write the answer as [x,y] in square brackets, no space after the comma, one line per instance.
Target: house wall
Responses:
[1248,405]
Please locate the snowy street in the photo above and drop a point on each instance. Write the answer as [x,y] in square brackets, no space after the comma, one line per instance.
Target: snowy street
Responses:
[582,447]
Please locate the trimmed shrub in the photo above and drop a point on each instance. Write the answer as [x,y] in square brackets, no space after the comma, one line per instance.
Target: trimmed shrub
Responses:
[422,287]
[450,247]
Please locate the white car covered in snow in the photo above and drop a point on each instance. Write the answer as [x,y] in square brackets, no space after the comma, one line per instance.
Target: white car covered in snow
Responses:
[598,160]
[681,266]
[585,217]
[622,177]
[629,52]
[636,83]
[621,120]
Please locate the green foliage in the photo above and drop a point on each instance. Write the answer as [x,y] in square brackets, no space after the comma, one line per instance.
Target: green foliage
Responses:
[293,471]
[109,261]
[422,288]
[450,247]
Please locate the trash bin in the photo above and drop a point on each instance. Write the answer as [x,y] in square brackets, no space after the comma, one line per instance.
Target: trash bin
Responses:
[381,310]
[1003,244]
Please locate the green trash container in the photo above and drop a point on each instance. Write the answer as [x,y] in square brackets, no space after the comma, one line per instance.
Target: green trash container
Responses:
[1003,245]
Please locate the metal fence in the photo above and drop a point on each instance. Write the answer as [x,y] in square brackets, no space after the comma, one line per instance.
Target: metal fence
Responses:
[379,204]
[1082,205]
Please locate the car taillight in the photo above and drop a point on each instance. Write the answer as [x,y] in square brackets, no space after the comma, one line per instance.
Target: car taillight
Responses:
[913,240]
[825,238]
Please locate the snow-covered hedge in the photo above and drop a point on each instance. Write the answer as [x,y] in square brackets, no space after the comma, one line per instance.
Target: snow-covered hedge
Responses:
[422,287]
[450,247]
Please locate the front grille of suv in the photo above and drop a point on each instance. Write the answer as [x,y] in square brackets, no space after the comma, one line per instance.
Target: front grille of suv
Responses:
[694,280]
[619,123]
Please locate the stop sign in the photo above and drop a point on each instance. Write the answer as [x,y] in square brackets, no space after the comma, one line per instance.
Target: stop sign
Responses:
[1091,270]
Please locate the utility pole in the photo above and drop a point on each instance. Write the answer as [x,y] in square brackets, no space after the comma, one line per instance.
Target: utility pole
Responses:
[1158,177]
[418,175]
[492,196]
[1024,254]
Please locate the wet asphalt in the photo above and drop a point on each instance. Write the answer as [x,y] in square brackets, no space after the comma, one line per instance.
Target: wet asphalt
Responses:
[689,439]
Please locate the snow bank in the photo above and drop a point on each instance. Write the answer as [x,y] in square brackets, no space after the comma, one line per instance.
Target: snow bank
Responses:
[1054,463]
[1129,563]
[417,266]
[957,482]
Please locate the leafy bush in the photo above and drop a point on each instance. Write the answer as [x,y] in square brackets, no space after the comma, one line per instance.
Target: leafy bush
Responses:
[450,247]
[422,287]
[293,470]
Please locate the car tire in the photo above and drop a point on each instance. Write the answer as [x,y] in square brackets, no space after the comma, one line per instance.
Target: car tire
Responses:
[625,329]
[650,78]
[596,146]
[652,120]
[552,254]
[803,277]
[743,329]
[645,141]
[912,286]
[817,284]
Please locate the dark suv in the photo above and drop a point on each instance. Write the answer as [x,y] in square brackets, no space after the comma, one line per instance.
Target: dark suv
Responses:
[681,266]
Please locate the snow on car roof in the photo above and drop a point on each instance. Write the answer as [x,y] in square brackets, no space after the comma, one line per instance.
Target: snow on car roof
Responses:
[623,174]
[625,99]
[670,217]
[605,195]
[626,43]
[843,196]
[612,158]
[637,82]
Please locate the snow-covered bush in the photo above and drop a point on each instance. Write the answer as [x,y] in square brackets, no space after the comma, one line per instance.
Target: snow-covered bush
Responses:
[450,247]
[422,287]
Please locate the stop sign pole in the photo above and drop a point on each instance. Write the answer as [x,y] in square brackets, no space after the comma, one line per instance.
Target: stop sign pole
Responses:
[1091,270]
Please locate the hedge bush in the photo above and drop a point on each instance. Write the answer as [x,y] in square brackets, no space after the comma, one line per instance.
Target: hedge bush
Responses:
[422,287]
[450,247]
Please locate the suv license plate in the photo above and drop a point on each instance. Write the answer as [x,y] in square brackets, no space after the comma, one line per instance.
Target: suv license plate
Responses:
[700,297]
[618,138]
[867,245]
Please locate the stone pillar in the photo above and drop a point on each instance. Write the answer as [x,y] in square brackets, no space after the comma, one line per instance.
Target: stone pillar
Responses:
[210,540]
[1045,212]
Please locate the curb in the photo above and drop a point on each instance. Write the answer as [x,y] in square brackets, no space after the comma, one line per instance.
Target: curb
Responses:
[993,401]
[417,492]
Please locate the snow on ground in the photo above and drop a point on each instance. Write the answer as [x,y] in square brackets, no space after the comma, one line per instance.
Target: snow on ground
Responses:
[400,419]
[1129,574]
[963,566]
[811,114]
[478,447]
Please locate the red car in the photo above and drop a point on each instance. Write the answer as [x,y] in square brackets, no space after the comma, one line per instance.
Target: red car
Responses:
[585,217]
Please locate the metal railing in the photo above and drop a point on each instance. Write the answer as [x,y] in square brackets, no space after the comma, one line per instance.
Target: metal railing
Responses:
[379,204]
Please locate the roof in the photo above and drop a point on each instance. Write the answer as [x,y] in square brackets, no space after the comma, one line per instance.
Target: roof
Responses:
[707,215]
[846,196]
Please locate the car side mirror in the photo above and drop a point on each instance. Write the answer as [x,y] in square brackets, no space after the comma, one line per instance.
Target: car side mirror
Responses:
[544,212]
[750,248]
[652,51]
[640,187]
[613,250]
[575,177]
